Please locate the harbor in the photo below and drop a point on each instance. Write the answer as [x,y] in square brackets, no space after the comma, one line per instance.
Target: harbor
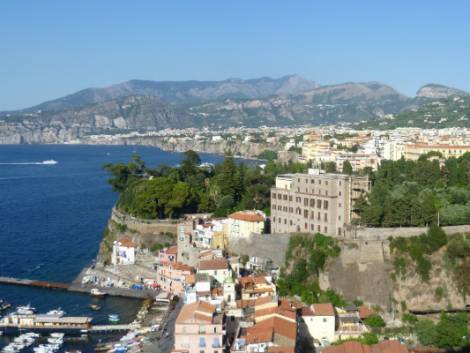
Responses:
[53,328]
[80,288]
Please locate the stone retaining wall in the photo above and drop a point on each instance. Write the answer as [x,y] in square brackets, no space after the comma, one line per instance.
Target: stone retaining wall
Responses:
[144,226]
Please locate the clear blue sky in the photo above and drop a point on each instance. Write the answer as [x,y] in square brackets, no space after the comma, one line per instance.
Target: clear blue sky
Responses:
[52,48]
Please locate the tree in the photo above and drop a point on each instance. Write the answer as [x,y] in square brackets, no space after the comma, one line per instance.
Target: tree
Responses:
[347,168]
[190,163]
[375,321]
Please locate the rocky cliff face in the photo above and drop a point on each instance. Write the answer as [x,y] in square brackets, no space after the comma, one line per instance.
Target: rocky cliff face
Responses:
[434,91]
[364,270]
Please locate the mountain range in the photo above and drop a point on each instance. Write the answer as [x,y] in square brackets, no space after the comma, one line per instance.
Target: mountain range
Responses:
[140,105]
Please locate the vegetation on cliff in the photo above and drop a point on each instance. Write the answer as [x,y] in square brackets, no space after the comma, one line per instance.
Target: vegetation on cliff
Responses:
[169,192]
[440,113]
[418,193]
[306,256]
[450,253]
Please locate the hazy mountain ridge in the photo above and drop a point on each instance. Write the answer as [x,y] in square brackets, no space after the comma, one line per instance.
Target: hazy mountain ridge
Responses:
[149,106]
[436,91]
[439,113]
[182,91]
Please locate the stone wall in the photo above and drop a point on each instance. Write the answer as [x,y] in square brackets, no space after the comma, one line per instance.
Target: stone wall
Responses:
[267,246]
[385,233]
[144,226]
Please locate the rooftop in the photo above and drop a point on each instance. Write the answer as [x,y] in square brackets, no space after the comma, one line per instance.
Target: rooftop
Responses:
[248,216]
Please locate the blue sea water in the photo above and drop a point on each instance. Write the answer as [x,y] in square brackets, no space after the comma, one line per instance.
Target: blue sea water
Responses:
[52,218]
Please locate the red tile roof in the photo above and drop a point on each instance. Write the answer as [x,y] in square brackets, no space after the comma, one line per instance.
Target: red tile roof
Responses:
[127,242]
[217,264]
[323,309]
[365,312]
[247,216]
[390,346]
[199,311]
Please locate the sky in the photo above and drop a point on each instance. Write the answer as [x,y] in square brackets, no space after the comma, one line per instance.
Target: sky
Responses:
[52,48]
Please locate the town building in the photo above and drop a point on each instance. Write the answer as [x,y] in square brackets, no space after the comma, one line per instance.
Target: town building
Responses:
[315,202]
[123,251]
[252,287]
[216,269]
[243,223]
[320,322]
[173,278]
[199,328]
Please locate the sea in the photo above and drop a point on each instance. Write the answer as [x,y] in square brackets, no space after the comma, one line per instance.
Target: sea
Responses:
[52,217]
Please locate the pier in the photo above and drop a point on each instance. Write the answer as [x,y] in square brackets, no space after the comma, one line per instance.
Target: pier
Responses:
[79,288]
[33,283]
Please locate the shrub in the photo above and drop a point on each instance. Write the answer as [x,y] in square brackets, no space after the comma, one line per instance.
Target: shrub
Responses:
[375,321]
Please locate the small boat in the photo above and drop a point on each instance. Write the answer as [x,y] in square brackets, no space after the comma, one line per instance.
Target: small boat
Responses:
[56,312]
[95,307]
[57,335]
[49,162]
[113,318]
[97,293]
[25,310]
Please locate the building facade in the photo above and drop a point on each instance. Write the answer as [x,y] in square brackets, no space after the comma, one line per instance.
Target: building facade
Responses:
[315,202]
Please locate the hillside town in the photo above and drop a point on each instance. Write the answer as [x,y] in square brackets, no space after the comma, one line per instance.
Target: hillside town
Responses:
[231,301]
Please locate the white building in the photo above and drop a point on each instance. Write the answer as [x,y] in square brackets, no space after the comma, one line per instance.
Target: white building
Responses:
[217,269]
[241,224]
[123,252]
[320,322]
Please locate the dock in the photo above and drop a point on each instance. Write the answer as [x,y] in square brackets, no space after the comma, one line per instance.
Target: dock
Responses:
[33,283]
[79,288]
[109,328]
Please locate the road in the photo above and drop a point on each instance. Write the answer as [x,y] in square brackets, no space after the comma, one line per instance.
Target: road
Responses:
[162,343]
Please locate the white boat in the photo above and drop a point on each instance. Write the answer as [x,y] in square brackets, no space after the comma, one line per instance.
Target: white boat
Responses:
[56,312]
[55,340]
[57,335]
[25,310]
[49,162]
[97,293]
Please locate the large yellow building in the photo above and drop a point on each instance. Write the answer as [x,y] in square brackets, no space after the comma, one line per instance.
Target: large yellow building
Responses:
[413,151]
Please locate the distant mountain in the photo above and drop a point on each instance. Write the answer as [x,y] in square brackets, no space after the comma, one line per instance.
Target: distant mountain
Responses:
[441,113]
[435,91]
[183,91]
[151,106]
[348,102]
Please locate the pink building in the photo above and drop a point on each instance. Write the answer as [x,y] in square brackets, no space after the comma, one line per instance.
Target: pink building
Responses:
[168,255]
[174,277]
[199,329]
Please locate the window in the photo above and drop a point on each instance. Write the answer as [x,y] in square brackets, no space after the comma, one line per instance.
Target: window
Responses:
[290,198]
[290,222]
[312,226]
[339,205]
[305,202]
[326,230]
[274,195]
[319,216]
[279,196]
[318,203]
[326,182]
[305,213]
[339,193]
[319,182]
[318,228]
[324,319]
[305,226]
[326,217]
[202,341]
[285,220]
[284,197]
[339,231]
[274,219]
[312,202]
[325,204]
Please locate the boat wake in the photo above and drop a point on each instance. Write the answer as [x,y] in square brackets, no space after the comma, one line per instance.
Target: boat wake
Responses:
[46,162]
